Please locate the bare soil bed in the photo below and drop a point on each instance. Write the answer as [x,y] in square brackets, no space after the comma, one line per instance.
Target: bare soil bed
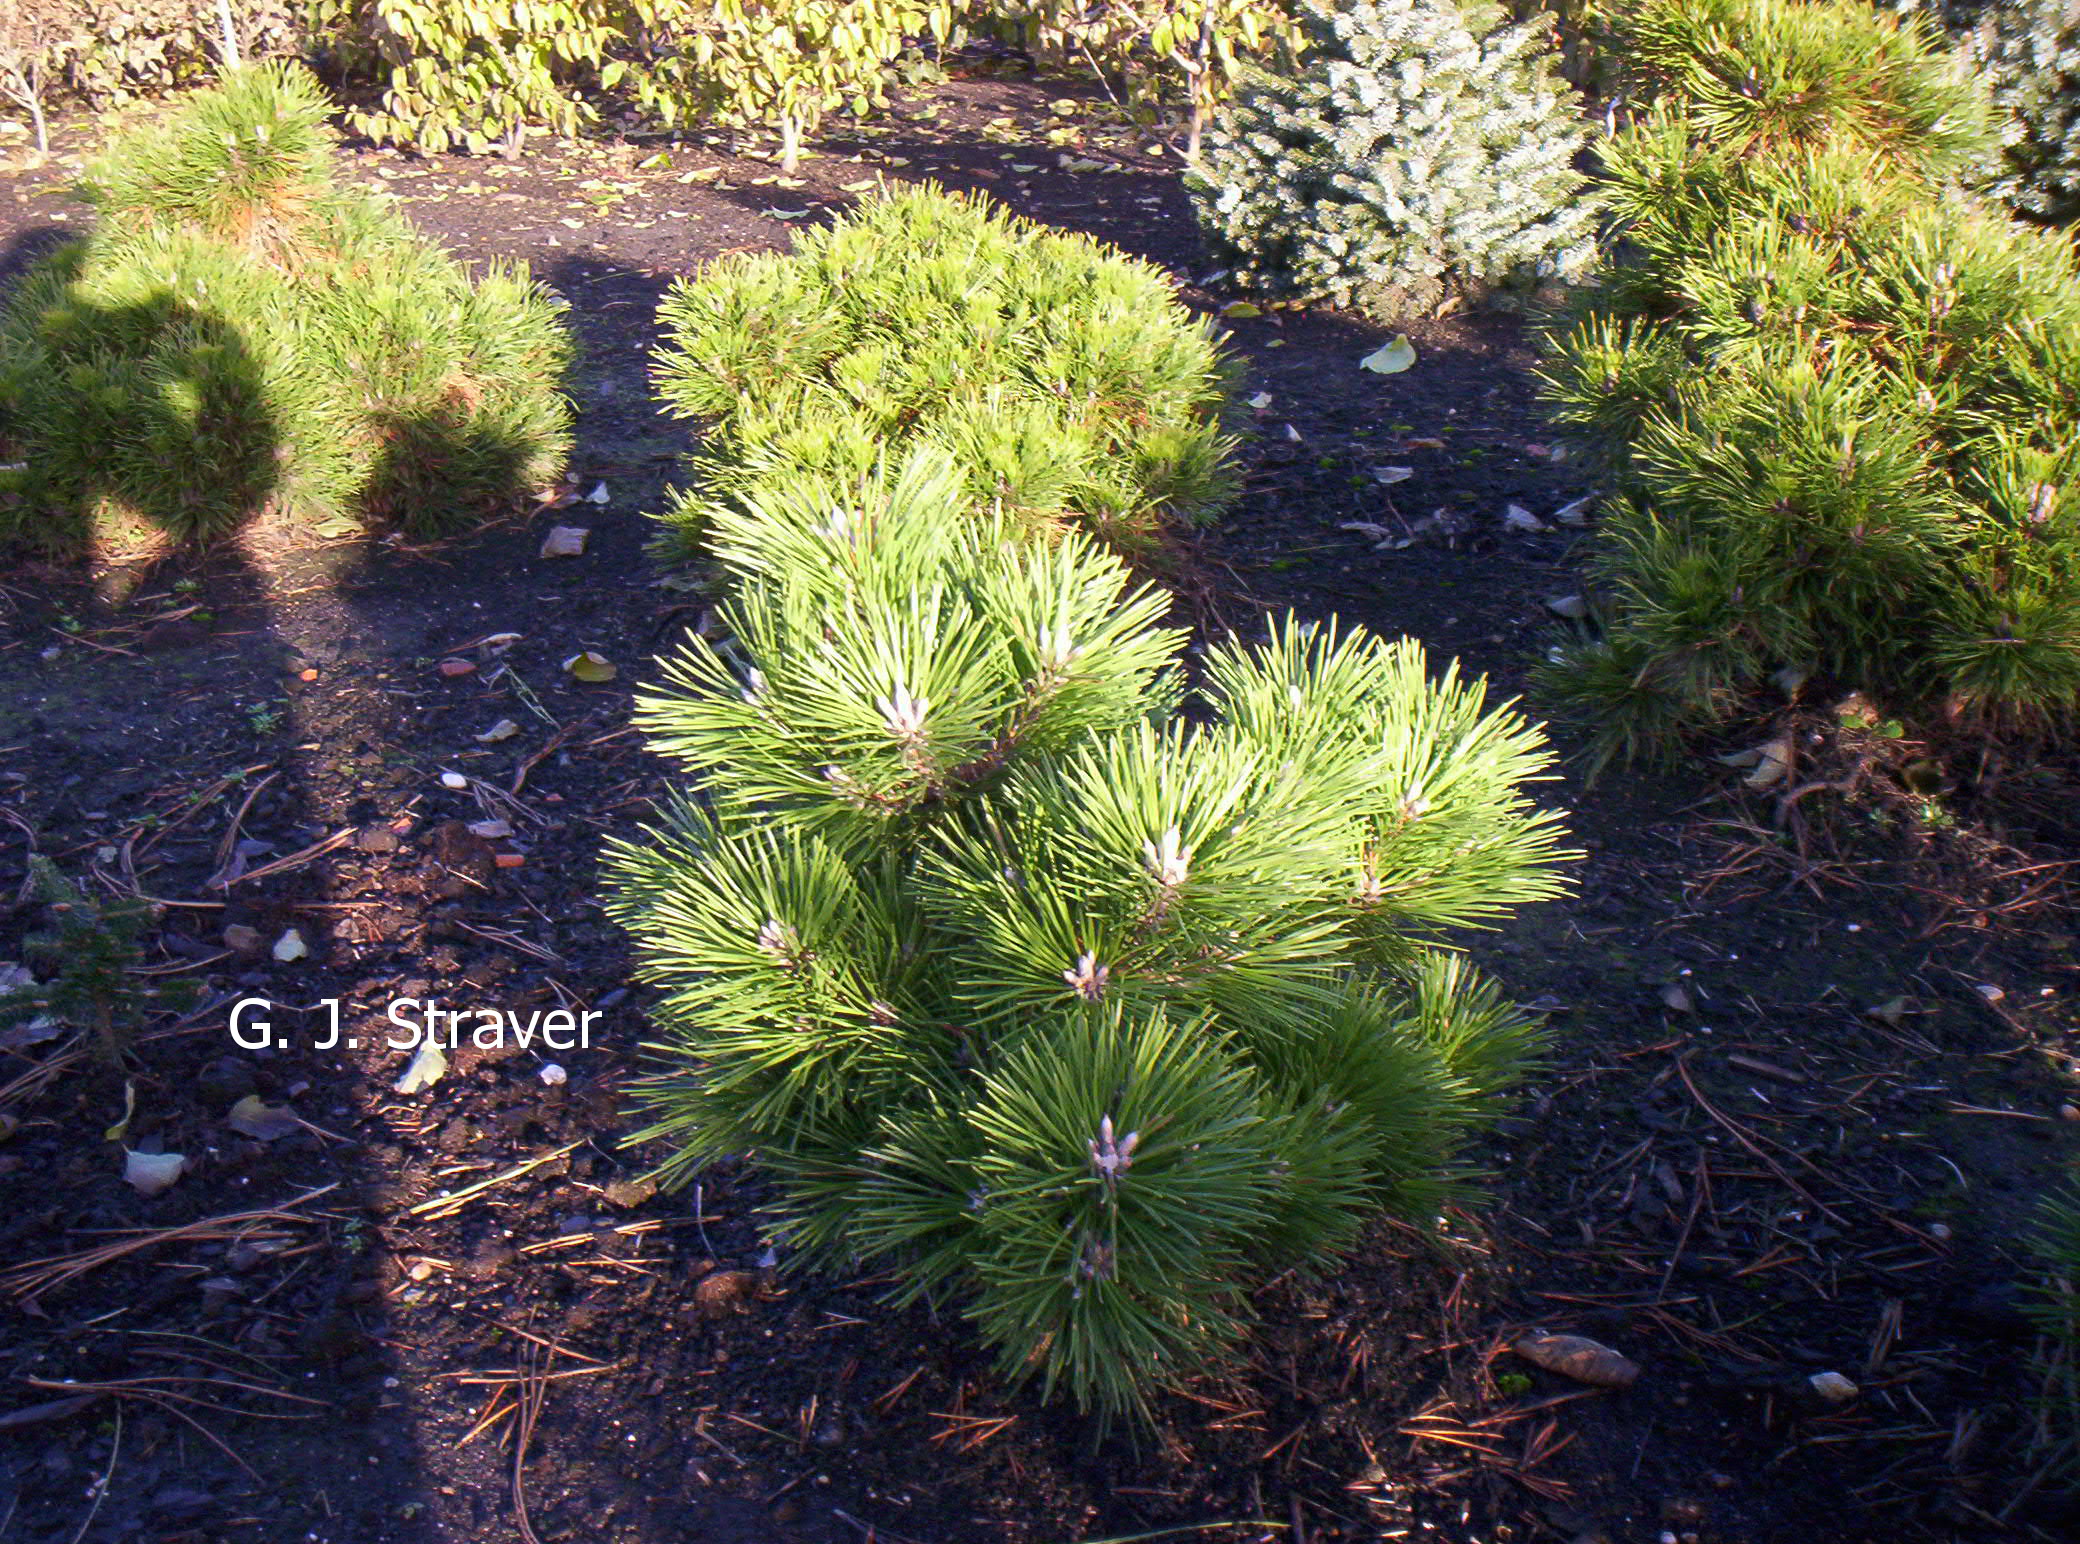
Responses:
[1732,1169]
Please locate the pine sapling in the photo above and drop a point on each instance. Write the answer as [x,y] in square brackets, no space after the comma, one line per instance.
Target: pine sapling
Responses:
[1836,398]
[1064,381]
[92,949]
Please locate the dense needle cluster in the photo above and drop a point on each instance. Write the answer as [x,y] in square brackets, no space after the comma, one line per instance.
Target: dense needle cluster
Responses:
[1839,397]
[1082,998]
[1061,380]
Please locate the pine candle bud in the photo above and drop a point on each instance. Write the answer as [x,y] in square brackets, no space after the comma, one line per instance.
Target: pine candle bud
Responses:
[1097,1260]
[780,941]
[1088,977]
[903,714]
[1112,1158]
[1169,859]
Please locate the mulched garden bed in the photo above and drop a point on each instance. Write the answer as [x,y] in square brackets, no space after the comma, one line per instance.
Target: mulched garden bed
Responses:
[1796,1115]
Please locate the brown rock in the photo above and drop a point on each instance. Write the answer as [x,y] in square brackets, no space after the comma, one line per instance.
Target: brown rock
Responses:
[461,861]
[726,1292]
[631,1192]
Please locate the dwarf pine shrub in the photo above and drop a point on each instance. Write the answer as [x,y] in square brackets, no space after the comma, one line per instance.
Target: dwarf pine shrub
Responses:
[1064,381]
[2028,54]
[240,336]
[1781,75]
[1419,146]
[1840,399]
[1077,1004]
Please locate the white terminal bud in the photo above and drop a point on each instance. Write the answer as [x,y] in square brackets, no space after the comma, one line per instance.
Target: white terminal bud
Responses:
[1168,858]
[1057,648]
[1110,1157]
[903,713]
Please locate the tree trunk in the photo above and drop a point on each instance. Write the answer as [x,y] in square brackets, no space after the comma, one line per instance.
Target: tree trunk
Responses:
[24,83]
[790,143]
[1202,64]
[228,31]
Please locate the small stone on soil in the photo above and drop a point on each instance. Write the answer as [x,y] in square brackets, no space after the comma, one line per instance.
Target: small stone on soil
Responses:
[631,1192]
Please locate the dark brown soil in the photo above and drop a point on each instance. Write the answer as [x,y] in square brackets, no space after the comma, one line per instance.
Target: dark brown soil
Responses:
[1732,1171]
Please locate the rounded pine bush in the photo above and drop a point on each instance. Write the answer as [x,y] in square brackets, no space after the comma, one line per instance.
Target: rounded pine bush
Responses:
[240,338]
[1081,1011]
[1782,75]
[1837,397]
[1063,381]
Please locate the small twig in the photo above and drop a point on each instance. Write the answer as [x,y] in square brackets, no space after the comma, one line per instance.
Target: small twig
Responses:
[447,1205]
[1697,1194]
[500,1378]
[1761,1068]
[33,1278]
[494,1412]
[49,1410]
[338,838]
[161,1388]
[107,1478]
[529,763]
[227,848]
[1741,1136]
[197,804]
[887,1400]
[513,941]
[1980,1109]
[558,1347]
[534,1393]
[105,648]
